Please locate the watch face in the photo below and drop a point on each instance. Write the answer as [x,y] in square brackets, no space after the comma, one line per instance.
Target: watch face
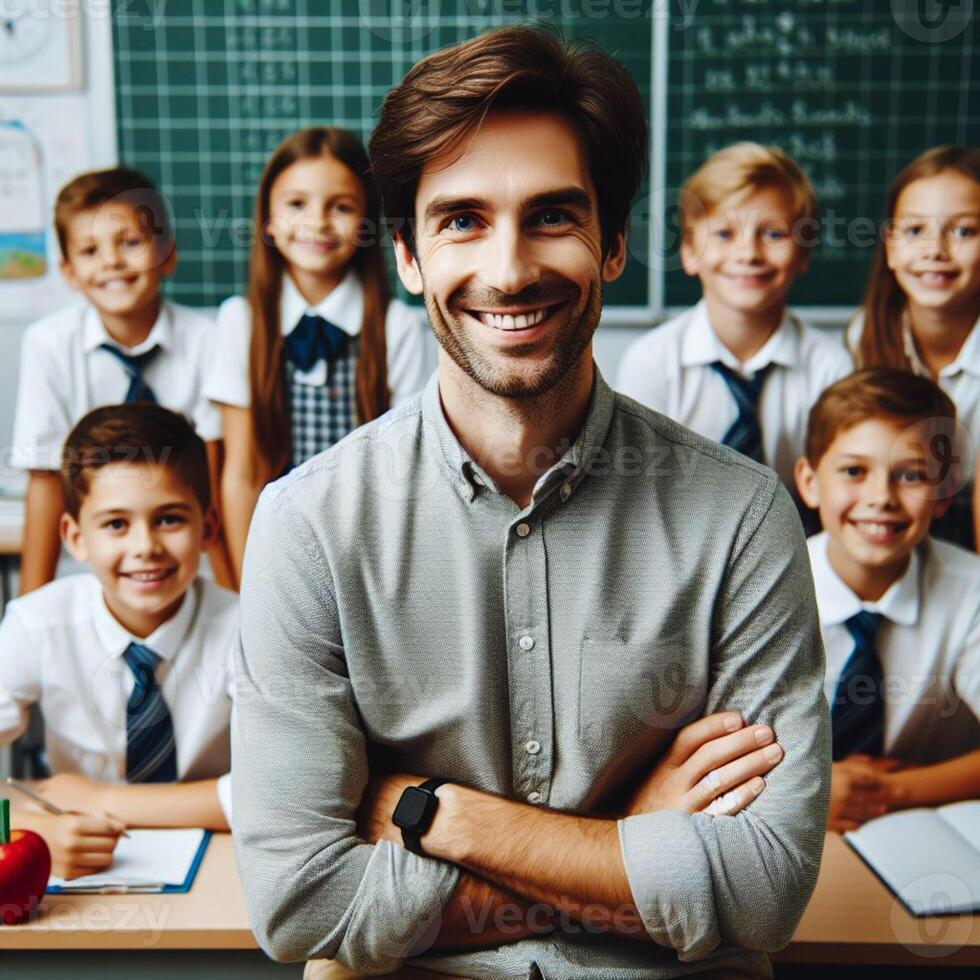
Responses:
[412,808]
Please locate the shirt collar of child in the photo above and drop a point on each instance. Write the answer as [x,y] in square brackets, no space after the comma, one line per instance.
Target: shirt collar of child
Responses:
[967,360]
[701,345]
[160,335]
[836,603]
[343,307]
[166,640]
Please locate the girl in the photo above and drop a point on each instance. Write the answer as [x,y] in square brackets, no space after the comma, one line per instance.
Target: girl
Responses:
[318,346]
[922,302]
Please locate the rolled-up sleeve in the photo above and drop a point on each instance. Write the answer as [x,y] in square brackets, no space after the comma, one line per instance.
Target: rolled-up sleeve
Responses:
[313,888]
[700,881]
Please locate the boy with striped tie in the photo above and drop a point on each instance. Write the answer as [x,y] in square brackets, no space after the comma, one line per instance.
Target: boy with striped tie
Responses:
[124,343]
[899,611]
[739,367]
[130,663]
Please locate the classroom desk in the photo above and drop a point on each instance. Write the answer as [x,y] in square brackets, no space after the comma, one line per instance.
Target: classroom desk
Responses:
[851,919]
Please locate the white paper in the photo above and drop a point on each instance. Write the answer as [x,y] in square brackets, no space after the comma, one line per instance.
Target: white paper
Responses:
[147,857]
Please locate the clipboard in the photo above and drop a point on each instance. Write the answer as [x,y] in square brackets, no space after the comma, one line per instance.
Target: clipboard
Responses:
[137,888]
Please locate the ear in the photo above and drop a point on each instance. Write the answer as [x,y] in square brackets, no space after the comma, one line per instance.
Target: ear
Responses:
[210,528]
[689,255]
[615,260]
[71,535]
[408,266]
[68,273]
[169,265]
[941,507]
[803,259]
[806,483]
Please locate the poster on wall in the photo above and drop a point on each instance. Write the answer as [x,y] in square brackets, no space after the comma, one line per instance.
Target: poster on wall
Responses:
[22,237]
[40,46]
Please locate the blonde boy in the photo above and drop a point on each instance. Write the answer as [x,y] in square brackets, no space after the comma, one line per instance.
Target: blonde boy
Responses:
[131,663]
[123,343]
[899,611]
[739,367]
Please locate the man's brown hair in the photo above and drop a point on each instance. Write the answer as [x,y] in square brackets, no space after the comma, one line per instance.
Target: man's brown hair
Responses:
[97,187]
[877,393]
[444,98]
[137,432]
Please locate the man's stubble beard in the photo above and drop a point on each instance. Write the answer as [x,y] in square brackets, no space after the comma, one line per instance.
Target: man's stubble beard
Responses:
[568,341]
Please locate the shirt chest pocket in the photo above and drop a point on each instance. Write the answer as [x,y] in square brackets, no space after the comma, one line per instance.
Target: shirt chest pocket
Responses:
[631,692]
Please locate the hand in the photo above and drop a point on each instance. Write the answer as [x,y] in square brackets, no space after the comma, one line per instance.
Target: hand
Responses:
[859,792]
[882,763]
[381,796]
[74,793]
[716,765]
[80,844]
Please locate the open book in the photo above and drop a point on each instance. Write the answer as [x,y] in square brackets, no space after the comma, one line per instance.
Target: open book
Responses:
[930,859]
[146,861]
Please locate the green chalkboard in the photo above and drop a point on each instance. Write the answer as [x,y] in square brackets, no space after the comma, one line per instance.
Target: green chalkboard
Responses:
[853,90]
[206,90]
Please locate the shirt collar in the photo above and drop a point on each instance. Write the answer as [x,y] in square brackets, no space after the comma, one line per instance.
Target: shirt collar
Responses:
[161,333]
[836,603]
[701,345]
[343,306]
[968,359]
[166,640]
[467,477]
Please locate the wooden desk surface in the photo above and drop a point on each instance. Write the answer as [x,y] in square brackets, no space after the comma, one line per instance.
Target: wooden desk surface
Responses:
[851,919]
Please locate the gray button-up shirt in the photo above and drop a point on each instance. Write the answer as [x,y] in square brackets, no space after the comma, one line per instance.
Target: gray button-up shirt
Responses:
[400,614]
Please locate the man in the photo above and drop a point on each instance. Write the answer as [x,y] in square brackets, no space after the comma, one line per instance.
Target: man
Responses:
[584,618]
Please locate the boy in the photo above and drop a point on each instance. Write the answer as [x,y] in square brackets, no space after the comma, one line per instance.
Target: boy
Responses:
[899,611]
[739,368]
[125,343]
[130,663]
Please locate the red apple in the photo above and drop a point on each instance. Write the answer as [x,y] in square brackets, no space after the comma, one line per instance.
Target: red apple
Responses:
[25,866]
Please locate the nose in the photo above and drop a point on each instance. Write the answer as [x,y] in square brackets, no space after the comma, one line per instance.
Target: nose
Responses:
[506,262]
[144,539]
[748,244]
[935,240]
[880,488]
[112,254]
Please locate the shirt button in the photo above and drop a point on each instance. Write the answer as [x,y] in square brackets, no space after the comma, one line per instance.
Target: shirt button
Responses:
[534,797]
[523,530]
[532,747]
[526,642]
[565,492]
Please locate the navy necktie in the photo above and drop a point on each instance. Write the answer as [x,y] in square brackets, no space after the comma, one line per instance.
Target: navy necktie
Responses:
[139,390]
[744,434]
[857,712]
[313,340]
[151,751]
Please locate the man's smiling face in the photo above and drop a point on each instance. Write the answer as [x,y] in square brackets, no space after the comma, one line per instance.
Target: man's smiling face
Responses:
[508,253]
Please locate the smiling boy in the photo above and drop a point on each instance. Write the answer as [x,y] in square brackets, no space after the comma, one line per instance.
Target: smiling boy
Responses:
[475,589]
[130,663]
[739,367]
[123,343]
[900,612]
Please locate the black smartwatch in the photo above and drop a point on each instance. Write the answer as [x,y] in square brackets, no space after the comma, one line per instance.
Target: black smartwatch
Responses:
[414,812]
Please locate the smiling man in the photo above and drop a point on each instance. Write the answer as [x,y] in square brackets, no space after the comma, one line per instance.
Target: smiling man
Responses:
[522,649]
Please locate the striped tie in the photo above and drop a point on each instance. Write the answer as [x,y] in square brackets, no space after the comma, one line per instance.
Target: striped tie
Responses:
[151,752]
[139,390]
[744,433]
[858,711]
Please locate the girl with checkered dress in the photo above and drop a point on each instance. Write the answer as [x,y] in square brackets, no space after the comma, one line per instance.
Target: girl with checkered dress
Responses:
[318,346]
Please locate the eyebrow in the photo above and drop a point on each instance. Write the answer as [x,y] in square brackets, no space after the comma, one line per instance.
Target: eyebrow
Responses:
[570,197]
[121,511]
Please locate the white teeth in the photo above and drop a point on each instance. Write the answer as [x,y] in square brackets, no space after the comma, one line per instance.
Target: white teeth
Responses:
[116,284]
[876,529]
[504,321]
[153,576]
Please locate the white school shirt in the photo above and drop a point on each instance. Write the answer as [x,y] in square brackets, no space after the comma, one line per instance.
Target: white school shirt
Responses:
[960,379]
[64,375]
[928,644]
[669,370]
[62,648]
[411,356]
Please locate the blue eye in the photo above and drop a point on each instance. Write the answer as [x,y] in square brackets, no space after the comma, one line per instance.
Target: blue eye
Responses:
[964,231]
[777,234]
[910,476]
[912,231]
[462,223]
[724,234]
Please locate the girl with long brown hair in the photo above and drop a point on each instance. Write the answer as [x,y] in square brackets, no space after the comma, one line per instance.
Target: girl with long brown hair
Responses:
[921,309]
[318,346]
